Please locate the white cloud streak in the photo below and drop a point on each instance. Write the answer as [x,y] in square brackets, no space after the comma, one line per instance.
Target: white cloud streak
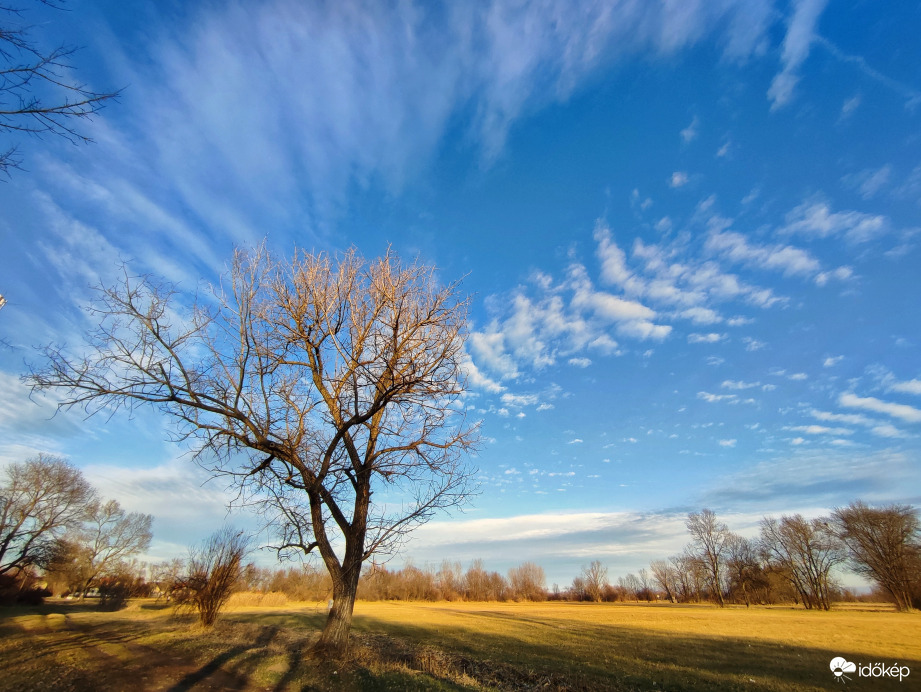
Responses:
[909,414]
[816,220]
[800,35]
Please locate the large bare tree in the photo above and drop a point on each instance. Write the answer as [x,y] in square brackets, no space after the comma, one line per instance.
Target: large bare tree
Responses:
[318,384]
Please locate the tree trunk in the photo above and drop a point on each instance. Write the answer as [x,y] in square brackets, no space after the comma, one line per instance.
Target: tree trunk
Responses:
[334,640]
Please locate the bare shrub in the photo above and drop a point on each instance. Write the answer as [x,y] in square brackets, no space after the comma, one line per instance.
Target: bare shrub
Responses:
[213,571]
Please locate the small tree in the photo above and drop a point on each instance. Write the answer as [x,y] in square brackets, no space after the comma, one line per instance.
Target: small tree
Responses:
[666,577]
[806,550]
[743,566]
[476,581]
[527,582]
[594,580]
[213,570]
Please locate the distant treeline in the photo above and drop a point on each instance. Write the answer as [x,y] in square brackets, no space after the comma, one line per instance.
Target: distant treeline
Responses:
[57,536]
[793,560]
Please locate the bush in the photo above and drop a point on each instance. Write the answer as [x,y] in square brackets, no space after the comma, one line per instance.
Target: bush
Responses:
[13,591]
[213,571]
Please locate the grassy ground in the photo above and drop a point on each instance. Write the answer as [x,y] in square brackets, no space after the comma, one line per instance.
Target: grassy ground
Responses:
[456,646]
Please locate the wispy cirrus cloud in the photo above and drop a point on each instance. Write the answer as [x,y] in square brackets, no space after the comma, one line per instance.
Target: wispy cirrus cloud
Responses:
[820,478]
[282,105]
[789,260]
[870,181]
[815,219]
[801,27]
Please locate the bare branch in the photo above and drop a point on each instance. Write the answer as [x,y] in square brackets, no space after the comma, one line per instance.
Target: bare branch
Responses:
[37,97]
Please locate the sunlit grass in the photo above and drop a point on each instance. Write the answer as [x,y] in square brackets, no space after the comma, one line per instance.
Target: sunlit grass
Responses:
[473,646]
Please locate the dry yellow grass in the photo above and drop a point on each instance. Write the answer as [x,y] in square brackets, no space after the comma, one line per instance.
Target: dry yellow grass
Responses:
[253,599]
[462,646]
[877,632]
[681,647]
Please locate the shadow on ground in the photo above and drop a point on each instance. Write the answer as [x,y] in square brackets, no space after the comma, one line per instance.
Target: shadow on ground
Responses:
[269,651]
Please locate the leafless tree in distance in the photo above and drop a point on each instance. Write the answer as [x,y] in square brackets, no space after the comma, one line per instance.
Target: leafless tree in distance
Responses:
[710,540]
[807,550]
[595,579]
[666,577]
[315,383]
[37,94]
[109,536]
[40,499]
[884,544]
[743,565]
[527,582]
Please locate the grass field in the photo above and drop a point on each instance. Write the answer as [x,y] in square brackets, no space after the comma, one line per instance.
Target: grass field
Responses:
[457,646]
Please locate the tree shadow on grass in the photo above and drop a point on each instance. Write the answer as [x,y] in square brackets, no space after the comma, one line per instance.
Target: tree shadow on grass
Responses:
[610,657]
[215,667]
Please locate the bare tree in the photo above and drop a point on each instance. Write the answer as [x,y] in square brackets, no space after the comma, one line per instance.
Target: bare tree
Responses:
[41,499]
[807,550]
[527,582]
[450,579]
[37,94]
[213,571]
[884,544]
[710,540]
[111,535]
[577,590]
[595,579]
[630,585]
[476,581]
[314,383]
[666,577]
[743,566]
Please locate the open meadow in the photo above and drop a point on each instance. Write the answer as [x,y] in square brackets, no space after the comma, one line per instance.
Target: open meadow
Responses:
[456,646]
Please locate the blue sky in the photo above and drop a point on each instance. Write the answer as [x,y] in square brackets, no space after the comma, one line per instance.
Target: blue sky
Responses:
[691,231]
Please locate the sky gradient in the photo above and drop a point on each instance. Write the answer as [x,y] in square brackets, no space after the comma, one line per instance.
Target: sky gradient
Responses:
[690,230]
